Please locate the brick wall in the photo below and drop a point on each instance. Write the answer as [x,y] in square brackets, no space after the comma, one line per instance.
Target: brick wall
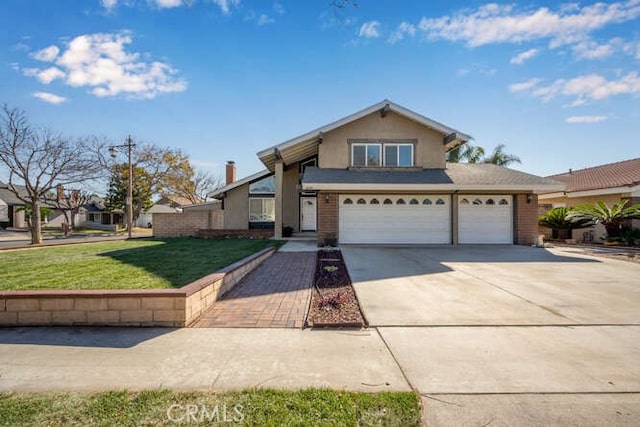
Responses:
[327,219]
[186,223]
[150,307]
[526,223]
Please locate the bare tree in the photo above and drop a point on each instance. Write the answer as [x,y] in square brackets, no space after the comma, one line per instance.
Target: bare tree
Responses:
[69,202]
[200,184]
[41,159]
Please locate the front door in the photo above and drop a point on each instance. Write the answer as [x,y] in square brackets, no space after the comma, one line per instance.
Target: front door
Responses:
[308,214]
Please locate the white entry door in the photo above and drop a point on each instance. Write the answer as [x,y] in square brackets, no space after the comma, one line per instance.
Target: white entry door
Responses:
[308,214]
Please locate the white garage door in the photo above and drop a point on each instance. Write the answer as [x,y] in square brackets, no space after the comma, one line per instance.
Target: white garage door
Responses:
[395,219]
[485,219]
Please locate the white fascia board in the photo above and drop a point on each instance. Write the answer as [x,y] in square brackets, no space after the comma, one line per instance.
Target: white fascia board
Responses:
[238,183]
[632,191]
[425,187]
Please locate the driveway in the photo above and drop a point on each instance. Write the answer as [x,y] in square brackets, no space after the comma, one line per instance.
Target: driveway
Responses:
[507,335]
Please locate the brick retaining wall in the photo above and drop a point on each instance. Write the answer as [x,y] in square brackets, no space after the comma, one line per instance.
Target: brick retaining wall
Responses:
[148,307]
[223,234]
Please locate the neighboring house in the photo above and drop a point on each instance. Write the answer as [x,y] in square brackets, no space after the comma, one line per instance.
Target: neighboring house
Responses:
[12,209]
[11,213]
[380,176]
[94,214]
[609,183]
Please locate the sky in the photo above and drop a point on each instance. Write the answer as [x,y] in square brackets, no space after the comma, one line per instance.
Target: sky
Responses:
[557,82]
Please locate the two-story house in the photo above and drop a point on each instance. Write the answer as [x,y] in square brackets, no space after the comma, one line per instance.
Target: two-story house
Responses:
[380,176]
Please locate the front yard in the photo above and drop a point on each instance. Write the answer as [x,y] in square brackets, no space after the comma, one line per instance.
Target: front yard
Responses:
[133,264]
[252,407]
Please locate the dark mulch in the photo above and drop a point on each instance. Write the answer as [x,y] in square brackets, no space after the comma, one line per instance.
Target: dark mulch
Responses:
[333,301]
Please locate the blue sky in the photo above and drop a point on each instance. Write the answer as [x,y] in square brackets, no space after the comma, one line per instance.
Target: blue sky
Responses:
[558,83]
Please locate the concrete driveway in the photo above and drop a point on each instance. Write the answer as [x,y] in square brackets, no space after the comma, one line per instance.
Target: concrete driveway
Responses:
[507,335]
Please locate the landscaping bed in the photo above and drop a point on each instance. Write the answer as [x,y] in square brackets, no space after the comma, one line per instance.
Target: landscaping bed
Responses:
[333,300]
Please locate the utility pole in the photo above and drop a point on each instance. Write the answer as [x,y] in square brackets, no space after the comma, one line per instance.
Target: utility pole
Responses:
[113,150]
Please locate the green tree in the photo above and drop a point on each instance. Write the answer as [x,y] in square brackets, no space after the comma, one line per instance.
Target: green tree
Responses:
[500,158]
[613,218]
[465,153]
[561,223]
[156,171]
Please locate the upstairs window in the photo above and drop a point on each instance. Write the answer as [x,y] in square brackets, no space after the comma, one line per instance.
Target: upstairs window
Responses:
[366,155]
[398,155]
[388,153]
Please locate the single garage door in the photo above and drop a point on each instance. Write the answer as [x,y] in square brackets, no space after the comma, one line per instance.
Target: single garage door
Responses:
[395,219]
[485,219]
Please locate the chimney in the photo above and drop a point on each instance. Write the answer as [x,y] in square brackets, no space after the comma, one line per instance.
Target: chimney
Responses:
[60,193]
[231,171]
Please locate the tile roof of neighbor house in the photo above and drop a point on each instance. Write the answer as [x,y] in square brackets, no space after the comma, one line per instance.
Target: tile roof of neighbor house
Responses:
[620,174]
[456,174]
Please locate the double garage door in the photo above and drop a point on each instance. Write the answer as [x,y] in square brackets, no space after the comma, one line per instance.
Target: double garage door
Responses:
[424,219]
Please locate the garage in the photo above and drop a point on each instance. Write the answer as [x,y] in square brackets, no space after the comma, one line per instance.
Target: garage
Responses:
[485,219]
[395,219]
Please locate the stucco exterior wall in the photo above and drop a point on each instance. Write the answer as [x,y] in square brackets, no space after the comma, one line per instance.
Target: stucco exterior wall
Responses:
[429,152]
[236,208]
[290,199]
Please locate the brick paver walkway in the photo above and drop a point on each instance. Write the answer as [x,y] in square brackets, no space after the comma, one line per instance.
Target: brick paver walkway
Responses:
[274,295]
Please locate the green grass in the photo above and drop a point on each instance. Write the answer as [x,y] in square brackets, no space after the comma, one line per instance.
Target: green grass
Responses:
[132,264]
[311,407]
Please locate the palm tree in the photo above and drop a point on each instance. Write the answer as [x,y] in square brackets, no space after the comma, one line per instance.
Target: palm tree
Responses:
[500,158]
[613,218]
[465,153]
[561,223]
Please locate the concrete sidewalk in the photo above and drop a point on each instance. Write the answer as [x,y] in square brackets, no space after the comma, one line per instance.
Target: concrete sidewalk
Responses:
[93,359]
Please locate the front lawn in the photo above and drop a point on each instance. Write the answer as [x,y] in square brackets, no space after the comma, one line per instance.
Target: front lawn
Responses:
[132,264]
[252,408]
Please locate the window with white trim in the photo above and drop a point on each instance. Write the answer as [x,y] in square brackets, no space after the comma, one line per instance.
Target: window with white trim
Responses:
[398,155]
[262,209]
[366,155]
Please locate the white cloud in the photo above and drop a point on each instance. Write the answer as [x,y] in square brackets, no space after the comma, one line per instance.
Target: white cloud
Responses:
[168,4]
[632,48]
[524,86]
[589,49]
[278,8]
[582,89]
[585,119]
[524,56]
[265,19]
[369,30]
[109,4]
[45,76]
[403,29]
[47,54]
[226,5]
[101,63]
[49,97]
[493,23]
[20,46]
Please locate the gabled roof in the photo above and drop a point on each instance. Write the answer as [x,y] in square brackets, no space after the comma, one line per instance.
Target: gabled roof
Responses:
[9,197]
[457,176]
[621,174]
[219,193]
[305,145]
